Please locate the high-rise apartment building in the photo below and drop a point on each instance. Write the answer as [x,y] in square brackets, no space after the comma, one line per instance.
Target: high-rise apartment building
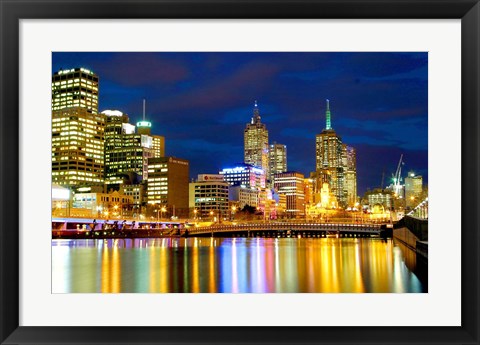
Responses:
[277,159]
[292,185]
[256,142]
[78,131]
[329,162]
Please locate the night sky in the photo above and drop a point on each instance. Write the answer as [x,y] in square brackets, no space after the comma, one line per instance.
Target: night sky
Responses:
[201,102]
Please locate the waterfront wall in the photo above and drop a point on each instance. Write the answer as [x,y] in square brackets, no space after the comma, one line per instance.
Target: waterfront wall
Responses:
[413,232]
[418,226]
[406,236]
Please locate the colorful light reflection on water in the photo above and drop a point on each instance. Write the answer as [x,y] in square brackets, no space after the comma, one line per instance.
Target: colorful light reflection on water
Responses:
[234,265]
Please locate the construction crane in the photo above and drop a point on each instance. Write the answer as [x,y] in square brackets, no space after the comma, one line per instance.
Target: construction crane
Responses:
[398,177]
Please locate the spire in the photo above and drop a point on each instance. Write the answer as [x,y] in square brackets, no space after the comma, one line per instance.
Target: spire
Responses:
[144,109]
[256,114]
[329,124]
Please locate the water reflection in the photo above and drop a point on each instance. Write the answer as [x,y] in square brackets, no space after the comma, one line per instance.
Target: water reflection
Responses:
[236,265]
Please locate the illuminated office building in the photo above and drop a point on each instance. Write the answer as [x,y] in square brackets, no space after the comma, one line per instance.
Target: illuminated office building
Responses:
[127,150]
[308,185]
[244,195]
[78,131]
[350,174]
[168,185]
[244,174]
[208,196]
[158,145]
[413,190]
[277,159]
[256,142]
[75,88]
[291,184]
[329,159]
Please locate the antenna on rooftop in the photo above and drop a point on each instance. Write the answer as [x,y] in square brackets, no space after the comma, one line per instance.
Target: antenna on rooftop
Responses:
[144,109]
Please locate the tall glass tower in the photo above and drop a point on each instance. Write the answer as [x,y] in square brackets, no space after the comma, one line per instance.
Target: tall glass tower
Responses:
[277,159]
[329,162]
[78,131]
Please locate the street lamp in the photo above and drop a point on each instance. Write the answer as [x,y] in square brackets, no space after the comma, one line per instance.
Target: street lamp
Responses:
[163,209]
[234,208]
[195,214]
[99,211]
[211,214]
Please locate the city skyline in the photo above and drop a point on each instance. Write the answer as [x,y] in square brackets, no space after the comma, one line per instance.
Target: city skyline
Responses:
[201,102]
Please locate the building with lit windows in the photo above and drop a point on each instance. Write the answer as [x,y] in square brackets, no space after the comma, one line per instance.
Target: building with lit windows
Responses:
[277,159]
[413,190]
[168,185]
[60,201]
[244,174]
[256,142]
[127,151]
[78,131]
[379,198]
[209,194]
[136,191]
[349,159]
[244,195]
[73,88]
[310,196]
[113,205]
[330,166]
[292,185]
[158,145]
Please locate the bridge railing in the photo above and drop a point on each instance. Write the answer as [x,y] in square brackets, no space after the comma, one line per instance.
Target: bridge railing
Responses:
[375,228]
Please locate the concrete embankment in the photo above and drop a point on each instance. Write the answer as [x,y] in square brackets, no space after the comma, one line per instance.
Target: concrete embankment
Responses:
[413,232]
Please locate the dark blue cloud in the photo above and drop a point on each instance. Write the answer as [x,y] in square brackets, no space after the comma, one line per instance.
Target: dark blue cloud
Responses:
[201,102]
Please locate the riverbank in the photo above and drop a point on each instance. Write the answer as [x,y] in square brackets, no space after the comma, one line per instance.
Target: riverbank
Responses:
[411,241]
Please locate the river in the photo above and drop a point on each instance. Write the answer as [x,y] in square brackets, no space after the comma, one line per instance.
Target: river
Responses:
[236,265]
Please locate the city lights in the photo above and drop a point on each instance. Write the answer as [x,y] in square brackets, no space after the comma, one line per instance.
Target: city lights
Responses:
[235,211]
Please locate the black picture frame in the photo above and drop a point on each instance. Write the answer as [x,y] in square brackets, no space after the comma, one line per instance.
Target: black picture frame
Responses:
[13,11]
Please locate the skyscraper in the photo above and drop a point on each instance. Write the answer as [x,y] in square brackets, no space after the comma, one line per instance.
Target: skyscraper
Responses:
[277,159]
[127,150]
[329,162]
[256,142]
[77,129]
[350,173]
[77,87]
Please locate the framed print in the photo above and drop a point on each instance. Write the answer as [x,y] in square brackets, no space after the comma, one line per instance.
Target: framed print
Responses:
[127,217]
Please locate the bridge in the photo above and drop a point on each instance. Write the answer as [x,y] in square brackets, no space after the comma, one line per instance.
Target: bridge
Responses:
[275,229]
[81,228]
